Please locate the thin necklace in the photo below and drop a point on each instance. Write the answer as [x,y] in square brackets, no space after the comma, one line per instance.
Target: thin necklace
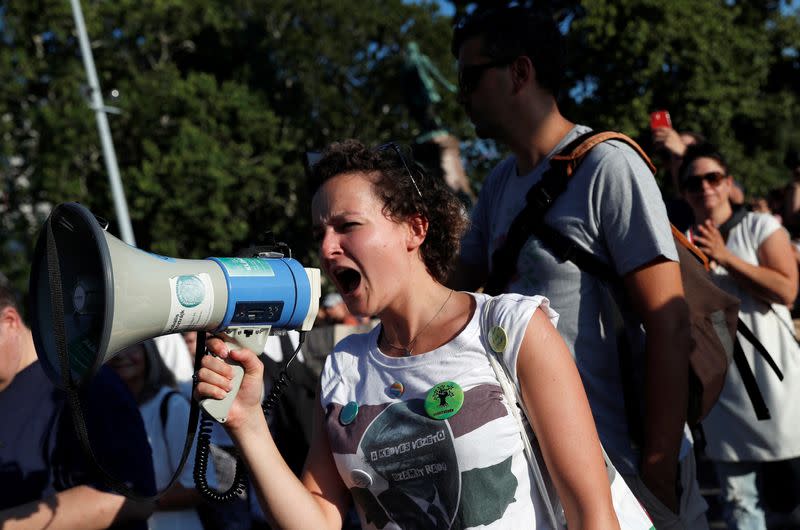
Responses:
[407,349]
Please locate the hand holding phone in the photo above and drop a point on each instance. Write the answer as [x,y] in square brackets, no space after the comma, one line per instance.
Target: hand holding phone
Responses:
[659,119]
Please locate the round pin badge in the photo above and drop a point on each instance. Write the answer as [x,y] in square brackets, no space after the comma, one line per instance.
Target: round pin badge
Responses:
[348,413]
[444,400]
[396,389]
[498,340]
[360,478]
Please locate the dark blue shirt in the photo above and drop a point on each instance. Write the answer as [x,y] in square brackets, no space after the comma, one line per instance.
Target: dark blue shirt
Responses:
[40,454]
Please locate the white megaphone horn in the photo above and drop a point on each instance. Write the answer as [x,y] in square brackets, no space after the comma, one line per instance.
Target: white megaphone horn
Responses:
[115,295]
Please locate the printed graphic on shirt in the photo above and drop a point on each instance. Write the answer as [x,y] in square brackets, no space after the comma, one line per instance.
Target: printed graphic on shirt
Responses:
[405,471]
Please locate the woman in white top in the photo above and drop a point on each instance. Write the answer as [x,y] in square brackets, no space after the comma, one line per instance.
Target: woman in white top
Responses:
[752,259]
[388,238]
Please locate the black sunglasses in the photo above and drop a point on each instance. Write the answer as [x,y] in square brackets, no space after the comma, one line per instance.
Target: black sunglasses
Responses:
[694,183]
[396,148]
[470,75]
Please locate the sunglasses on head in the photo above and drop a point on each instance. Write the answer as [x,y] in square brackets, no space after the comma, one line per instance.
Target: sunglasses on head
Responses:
[396,148]
[470,75]
[694,183]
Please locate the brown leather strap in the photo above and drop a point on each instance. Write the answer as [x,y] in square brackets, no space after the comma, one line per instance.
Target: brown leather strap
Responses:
[699,254]
[573,159]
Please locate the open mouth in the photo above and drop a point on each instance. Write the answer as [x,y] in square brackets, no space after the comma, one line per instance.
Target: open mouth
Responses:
[348,280]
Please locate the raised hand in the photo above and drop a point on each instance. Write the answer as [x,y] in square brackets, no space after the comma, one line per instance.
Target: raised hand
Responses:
[214,380]
[708,238]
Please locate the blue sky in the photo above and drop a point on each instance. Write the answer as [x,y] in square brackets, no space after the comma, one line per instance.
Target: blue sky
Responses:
[447,7]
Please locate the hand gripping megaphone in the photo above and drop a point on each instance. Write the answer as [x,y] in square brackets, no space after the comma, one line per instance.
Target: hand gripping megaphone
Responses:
[114,295]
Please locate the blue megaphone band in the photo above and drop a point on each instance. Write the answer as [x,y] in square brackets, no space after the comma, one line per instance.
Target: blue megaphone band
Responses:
[265,291]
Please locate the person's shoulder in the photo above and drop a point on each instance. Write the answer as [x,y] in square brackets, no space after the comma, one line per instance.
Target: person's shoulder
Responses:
[760,218]
[618,149]
[761,224]
[511,306]
[615,165]
[32,380]
[617,152]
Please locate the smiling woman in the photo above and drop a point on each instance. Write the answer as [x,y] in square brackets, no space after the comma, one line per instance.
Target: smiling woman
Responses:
[754,261]
[413,426]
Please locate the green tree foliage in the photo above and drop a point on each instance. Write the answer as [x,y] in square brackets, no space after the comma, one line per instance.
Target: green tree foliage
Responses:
[219,101]
[726,69]
[722,69]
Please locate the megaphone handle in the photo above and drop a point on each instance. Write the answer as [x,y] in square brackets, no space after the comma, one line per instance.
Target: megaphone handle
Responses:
[218,408]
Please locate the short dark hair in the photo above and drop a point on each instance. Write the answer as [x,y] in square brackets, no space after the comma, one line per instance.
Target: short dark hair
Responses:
[9,297]
[511,32]
[447,218]
[701,150]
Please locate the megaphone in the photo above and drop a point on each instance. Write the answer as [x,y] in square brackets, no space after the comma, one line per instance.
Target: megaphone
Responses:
[115,295]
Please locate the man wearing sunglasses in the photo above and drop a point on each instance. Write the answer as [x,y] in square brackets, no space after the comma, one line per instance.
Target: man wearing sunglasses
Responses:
[510,69]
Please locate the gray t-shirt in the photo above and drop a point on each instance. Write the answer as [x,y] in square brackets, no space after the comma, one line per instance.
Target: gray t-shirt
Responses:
[612,207]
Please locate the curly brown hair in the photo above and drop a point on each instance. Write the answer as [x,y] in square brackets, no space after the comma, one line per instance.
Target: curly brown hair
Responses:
[403,196]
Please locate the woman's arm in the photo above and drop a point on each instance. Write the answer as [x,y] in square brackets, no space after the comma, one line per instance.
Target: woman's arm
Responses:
[286,501]
[560,414]
[774,279]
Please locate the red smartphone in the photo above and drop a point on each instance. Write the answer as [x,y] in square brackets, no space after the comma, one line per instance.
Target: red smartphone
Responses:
[660,118]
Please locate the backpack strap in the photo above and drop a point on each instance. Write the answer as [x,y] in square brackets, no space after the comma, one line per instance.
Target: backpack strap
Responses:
[789,328]
[748,334]
[164,414]
[739,213]
[573,154]
[746,373]
[164,408]
[691,247]
[539,198]
[749,382]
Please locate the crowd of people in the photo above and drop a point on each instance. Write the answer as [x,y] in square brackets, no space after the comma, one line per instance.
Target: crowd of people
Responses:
[403,424]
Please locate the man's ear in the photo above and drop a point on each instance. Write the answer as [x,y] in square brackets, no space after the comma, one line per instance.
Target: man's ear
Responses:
[522,72]
[10,317]
[417,230]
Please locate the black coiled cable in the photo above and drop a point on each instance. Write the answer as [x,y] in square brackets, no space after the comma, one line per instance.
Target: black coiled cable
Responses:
[277,389]
[237,488]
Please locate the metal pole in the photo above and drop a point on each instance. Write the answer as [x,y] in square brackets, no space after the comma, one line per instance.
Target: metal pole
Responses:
[109,156]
